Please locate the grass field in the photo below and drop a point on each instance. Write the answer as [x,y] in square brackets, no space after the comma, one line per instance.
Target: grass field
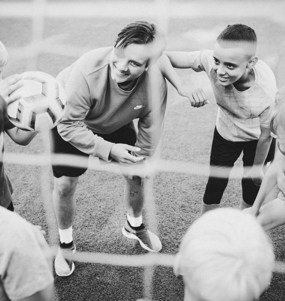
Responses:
[187,138]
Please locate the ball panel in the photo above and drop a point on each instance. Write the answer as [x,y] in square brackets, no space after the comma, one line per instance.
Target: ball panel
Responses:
[51,115]
[32,120]
[61,104]
[41,103]
[43,122]
[20,112]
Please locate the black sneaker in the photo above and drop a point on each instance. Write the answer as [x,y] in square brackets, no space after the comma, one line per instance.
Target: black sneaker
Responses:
[148,240]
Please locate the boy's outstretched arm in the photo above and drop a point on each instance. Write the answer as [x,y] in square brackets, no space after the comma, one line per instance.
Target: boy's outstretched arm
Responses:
[197,97]
[178,59]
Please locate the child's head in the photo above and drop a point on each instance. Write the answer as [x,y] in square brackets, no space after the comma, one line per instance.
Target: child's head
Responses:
[234,53]
[225,255]
[137,46]
[238,33]
[3,58]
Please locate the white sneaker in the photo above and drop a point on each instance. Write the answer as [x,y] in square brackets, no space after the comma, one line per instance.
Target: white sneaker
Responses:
[63,264]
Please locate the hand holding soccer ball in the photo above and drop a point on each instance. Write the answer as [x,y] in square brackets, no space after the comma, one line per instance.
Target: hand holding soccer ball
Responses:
[37,105]
[8,86]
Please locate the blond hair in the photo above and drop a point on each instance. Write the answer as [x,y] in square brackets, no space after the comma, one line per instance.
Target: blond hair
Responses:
[3,55]
[225,255]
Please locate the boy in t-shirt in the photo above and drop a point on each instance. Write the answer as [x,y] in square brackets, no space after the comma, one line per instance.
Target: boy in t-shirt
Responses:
[244,88]
[7,86]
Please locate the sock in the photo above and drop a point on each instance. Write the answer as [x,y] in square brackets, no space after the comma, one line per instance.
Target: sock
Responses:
[134,221]
[65,235]
[244,205]
[206,207]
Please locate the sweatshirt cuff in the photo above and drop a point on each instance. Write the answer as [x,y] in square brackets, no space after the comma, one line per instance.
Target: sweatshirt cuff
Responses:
[103,150]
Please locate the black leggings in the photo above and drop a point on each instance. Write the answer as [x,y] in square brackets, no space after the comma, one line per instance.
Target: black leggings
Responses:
[11,207]
[224,153]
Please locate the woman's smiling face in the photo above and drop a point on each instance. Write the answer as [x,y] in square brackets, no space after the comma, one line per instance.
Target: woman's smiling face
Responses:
[130,62]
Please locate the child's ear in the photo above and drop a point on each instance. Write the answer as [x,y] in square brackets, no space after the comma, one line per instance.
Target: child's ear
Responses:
[146,68]
[252,62]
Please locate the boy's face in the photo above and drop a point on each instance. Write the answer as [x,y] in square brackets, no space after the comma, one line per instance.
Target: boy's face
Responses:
[232,60]
[130,62]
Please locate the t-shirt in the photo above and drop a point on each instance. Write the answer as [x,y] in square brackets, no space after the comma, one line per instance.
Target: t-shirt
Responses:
[240,113]
[25,259]
[96,104]
[5,184]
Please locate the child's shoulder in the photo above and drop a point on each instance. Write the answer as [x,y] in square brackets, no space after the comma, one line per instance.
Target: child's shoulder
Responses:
[264,73]
[265,78]
[88,63]
[263,68]
[206,59]
[94,59]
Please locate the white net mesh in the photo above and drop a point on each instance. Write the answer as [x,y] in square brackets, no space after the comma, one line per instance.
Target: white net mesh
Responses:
[54,38]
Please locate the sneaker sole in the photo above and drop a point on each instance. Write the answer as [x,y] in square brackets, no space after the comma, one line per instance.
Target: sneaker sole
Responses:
[133,236]
[72,267]
[66,275]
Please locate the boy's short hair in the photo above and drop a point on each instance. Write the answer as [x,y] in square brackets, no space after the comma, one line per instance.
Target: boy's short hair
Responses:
[238,32]
[225,255]
[3,55]
[139,32]
[278,119]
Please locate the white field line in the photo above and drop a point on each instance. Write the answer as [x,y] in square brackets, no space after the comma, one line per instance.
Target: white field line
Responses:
[120,9]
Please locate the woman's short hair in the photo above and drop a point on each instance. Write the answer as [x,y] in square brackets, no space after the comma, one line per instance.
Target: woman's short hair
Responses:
[139,32]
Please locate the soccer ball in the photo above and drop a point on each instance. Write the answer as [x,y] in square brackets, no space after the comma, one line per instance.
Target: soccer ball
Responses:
[41,103]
